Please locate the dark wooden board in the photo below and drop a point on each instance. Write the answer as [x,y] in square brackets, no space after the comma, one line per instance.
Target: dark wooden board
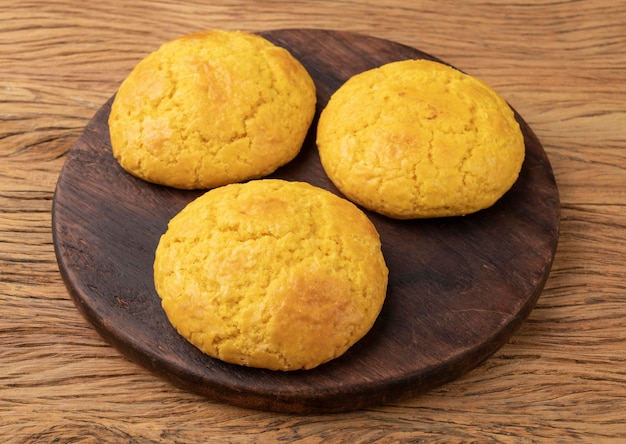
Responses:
[458,287]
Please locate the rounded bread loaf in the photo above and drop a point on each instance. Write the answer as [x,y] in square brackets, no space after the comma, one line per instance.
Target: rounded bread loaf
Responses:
[272,274]
[211,108]
[417,139]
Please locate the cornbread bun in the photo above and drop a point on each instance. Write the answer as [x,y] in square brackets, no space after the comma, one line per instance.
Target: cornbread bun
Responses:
[211,108]
[417,139]
[272,274]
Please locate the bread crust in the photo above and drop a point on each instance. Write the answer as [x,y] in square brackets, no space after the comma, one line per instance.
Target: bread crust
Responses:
[417,139]
[211,108]
[272,274]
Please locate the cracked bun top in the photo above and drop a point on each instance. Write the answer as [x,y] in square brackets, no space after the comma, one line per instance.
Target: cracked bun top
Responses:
[211,108]
[271,274]
[417,139]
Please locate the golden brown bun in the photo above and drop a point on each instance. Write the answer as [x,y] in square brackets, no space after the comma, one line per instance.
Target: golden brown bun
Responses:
[272,274]
[211,108]
[416,139]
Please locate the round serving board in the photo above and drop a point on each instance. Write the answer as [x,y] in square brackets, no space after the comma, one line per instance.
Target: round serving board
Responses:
[458,287]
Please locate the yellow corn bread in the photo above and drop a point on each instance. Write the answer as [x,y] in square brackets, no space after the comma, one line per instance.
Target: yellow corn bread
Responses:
[211,108]
[417,139]
[271,274]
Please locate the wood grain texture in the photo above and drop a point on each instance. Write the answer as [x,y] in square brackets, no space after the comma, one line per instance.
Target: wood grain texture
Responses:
[560,378]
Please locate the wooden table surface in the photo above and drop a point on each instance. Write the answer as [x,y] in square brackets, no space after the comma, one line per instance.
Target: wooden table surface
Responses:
[561,377]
